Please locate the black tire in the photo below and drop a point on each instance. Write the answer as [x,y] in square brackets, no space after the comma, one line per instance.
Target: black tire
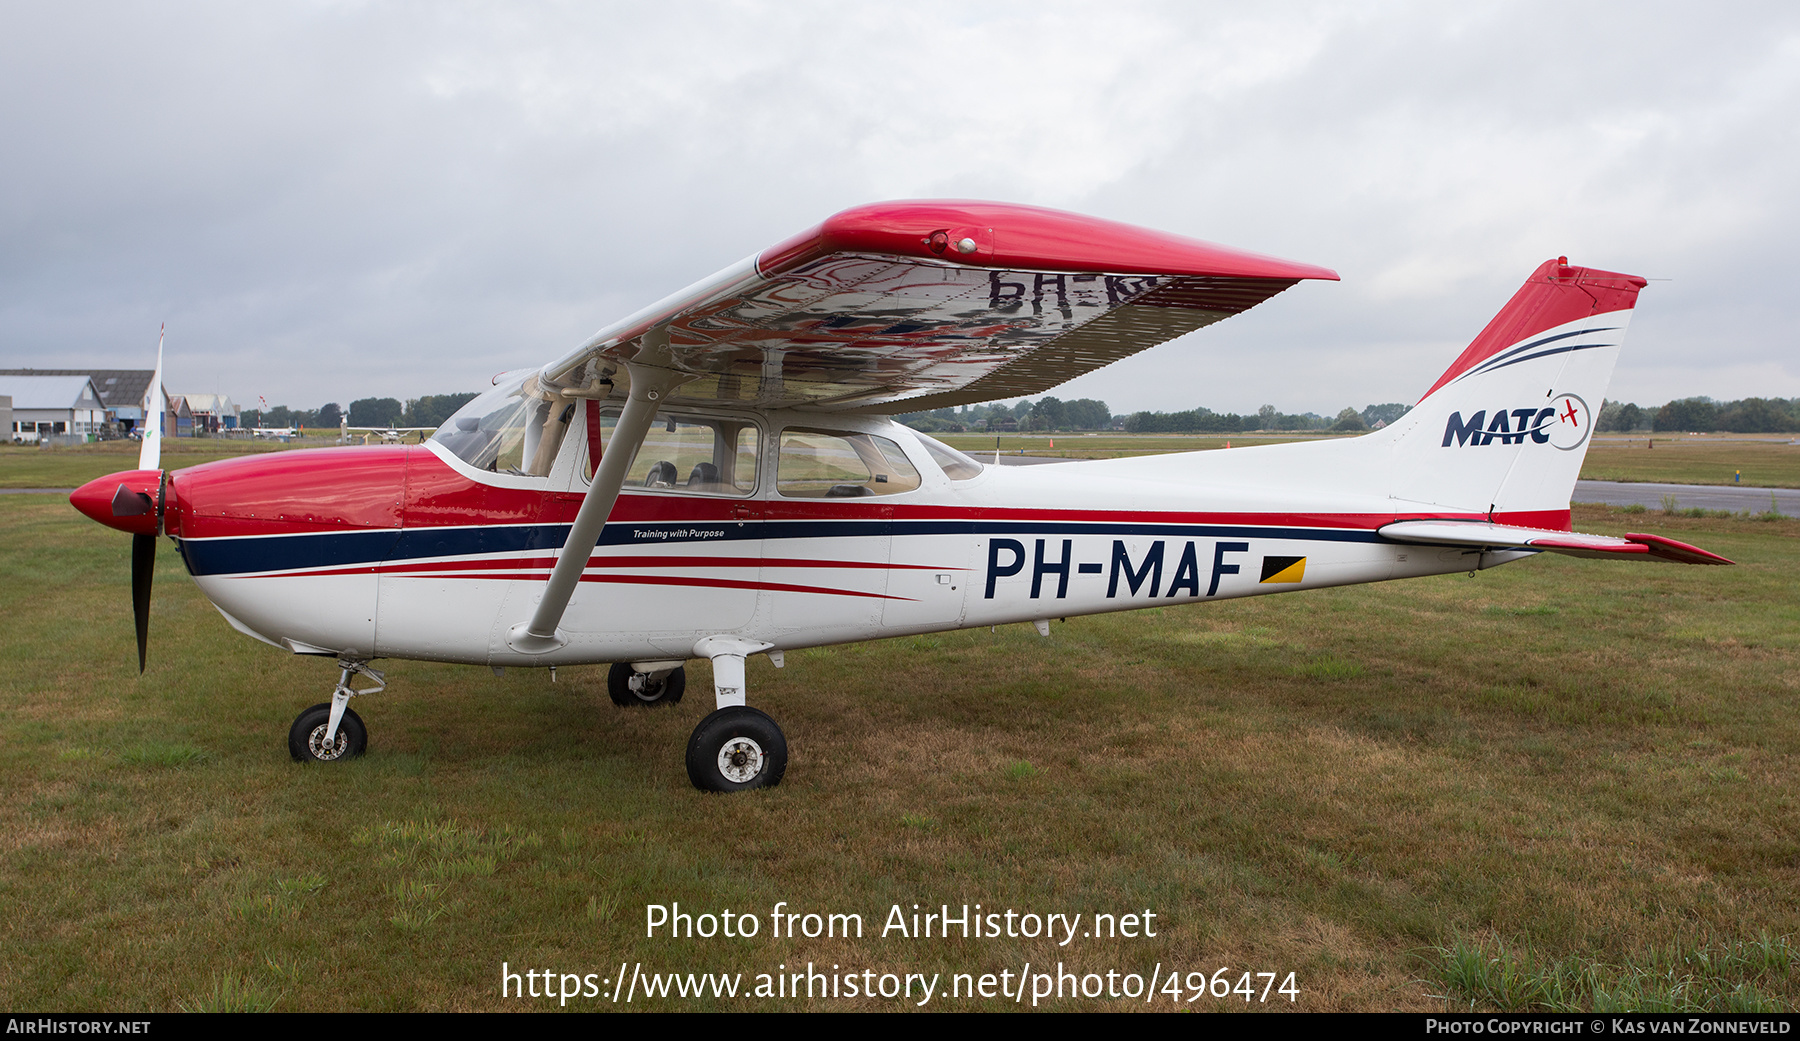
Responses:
[308,733]
[734,749]
[665,689]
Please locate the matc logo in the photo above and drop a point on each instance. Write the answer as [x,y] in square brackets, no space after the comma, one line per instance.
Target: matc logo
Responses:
[1563,423]
[1573,422]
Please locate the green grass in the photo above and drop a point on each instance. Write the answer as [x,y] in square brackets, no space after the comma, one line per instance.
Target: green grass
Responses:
[233,993]
[157,753]
[1585,767]
[1765,460]
[28,466]
[1731,976]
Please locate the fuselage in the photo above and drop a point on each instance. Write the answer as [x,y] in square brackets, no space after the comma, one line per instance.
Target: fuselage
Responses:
[410,552]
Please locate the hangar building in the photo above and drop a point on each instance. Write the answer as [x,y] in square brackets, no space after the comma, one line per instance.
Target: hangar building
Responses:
[53,406]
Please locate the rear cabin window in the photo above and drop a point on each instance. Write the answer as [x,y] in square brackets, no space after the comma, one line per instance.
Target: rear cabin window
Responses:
[827,464]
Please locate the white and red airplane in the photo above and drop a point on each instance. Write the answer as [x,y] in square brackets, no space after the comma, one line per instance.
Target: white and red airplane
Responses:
[715,477]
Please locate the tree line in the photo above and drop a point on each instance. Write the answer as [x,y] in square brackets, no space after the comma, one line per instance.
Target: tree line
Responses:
[428,411]
[1206,421]
[1046,413]
[1049,414]
[1703,415]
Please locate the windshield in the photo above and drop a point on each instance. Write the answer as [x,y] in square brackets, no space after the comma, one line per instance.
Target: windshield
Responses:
[956,466]
[516,428]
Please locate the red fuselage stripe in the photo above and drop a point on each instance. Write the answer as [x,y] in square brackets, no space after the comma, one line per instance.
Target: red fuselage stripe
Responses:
[441,567]
[661,580]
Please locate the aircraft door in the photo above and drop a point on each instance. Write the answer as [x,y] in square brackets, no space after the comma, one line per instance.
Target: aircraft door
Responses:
[935,553]
[680,556]
[828,531]
[824,567]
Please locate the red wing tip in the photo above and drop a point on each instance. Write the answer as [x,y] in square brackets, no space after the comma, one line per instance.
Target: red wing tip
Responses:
[1031,237]
[1670,549]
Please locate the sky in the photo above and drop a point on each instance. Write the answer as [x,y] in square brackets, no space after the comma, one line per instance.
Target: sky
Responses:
[333,201]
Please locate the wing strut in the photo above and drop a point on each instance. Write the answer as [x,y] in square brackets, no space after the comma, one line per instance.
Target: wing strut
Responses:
[650,383]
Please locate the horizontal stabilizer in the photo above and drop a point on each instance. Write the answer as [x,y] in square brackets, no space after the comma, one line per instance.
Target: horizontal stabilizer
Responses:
[1573,543]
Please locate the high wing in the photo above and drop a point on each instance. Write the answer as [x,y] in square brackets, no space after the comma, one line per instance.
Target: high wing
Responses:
[907,306]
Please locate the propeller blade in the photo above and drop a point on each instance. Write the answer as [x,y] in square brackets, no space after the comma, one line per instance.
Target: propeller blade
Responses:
[143,566]
[150,453]
[127,503]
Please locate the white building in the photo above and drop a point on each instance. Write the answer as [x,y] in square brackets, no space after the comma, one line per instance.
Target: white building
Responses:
[125,392]
[46,406]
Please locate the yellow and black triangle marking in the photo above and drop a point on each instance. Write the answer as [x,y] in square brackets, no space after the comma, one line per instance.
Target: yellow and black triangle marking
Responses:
[1283,569]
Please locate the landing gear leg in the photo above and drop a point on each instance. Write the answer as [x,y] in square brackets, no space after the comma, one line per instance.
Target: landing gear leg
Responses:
[330,731]
[736,747]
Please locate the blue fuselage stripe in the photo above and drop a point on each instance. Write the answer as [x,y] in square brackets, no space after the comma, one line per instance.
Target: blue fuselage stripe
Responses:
[262,553]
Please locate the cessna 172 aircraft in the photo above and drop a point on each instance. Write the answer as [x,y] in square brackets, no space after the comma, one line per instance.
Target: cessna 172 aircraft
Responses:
[714,476]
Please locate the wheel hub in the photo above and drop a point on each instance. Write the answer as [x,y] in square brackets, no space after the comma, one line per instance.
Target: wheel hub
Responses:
[323,752]
[740,760]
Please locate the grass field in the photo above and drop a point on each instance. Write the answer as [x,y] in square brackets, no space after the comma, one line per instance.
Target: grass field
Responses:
[27,466]
[1559,783]
[1766,461]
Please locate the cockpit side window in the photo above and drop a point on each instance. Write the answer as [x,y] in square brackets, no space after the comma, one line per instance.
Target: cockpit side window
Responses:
[828,464]
[703,455]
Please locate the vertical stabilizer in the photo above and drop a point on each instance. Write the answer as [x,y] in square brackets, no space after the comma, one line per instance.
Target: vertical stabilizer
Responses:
[1504,430]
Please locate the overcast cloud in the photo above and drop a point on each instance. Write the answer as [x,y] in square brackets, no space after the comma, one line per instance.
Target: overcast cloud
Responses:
[333,201]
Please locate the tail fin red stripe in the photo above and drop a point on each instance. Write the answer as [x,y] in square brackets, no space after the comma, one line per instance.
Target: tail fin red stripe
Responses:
[1555,294]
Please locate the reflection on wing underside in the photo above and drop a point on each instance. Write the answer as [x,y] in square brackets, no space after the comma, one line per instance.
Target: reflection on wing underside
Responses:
[875,330]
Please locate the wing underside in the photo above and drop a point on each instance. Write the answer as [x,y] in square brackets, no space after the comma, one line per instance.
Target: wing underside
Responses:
[912,306]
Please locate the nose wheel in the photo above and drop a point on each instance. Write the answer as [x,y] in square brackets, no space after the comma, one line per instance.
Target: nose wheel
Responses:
[329,731]
[734,749]
[307,742]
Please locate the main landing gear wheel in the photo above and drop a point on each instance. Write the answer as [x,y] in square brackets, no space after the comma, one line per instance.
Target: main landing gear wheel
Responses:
[629,687]
[734,749]
[306,738]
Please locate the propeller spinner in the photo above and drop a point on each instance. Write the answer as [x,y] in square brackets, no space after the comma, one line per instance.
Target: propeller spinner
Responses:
[135,501]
